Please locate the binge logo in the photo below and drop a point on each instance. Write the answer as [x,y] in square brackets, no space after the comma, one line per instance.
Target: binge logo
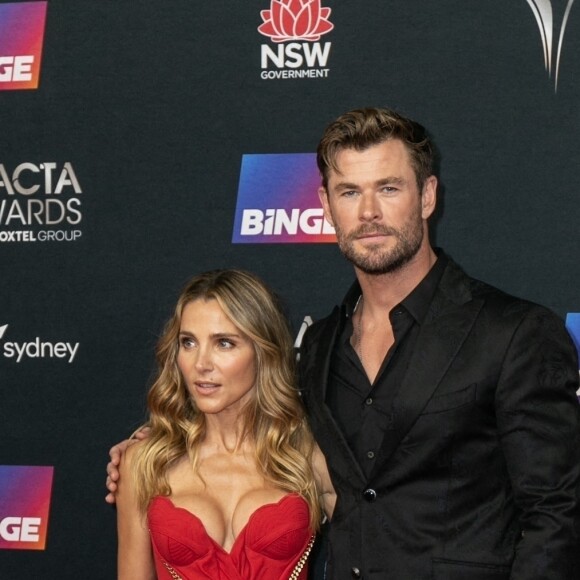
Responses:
[278,201]
[289,21]
[24,506]
[573,326]
[21,39]
[38,348]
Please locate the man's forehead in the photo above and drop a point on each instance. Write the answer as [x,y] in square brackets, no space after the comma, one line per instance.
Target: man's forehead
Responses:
[392,155]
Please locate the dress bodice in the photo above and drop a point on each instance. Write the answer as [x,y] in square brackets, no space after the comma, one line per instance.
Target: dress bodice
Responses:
[268,547]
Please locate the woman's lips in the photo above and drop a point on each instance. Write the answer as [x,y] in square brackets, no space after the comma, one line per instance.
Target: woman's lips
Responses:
[206,387]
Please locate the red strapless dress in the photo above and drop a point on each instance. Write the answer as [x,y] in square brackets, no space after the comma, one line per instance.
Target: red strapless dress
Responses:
[267,548]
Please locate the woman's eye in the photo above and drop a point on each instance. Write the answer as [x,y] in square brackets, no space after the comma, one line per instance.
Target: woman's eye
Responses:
[226,343]
[186,342]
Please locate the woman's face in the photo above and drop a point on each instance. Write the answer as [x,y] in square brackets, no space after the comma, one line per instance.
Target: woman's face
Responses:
[216,359]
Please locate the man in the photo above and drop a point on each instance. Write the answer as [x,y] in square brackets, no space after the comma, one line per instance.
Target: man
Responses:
[445,408]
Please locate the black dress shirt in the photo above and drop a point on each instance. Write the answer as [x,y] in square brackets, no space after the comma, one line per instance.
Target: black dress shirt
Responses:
[364,411]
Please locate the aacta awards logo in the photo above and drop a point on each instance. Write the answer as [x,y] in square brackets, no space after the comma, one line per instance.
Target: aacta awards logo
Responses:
[286,23]
[40,203]
[544,13]
[21,39]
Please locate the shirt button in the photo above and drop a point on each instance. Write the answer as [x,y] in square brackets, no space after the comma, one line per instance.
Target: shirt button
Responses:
[371,454]
[369,401]
[355,572]
[369,495]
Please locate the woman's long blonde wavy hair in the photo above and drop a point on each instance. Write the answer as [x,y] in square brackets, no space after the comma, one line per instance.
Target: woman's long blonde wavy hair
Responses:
[274,419]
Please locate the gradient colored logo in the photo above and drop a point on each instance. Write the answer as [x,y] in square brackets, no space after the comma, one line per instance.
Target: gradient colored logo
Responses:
[278,201]
[24,506]
[21,39]
[573,326]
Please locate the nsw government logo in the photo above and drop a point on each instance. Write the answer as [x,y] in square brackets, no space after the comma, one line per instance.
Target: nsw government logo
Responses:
[21,39]
[40,202]
[24,506]
[295,27]
[278,201]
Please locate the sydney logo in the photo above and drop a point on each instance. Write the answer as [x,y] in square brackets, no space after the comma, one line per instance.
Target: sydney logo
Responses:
[37,348]
[544,13]
[286,23]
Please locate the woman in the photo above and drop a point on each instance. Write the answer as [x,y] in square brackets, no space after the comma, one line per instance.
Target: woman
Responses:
[229,483]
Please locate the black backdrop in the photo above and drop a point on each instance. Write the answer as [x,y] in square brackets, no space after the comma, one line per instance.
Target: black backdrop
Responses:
[153,104]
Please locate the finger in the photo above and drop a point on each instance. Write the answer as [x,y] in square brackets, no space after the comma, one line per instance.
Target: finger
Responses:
[115,455]
[142,433]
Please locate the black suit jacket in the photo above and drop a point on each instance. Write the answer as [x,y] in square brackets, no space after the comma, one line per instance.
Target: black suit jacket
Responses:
[479,474]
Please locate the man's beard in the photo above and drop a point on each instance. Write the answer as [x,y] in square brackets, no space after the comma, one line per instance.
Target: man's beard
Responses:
[376,260]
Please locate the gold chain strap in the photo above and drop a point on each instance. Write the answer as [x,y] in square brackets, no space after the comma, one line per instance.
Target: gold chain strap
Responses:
[301,563]
[171,571]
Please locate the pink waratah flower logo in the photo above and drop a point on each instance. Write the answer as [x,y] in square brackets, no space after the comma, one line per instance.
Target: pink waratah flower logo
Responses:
[295,20]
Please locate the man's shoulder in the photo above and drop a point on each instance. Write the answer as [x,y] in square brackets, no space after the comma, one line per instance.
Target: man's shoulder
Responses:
[494,300]
[323,325]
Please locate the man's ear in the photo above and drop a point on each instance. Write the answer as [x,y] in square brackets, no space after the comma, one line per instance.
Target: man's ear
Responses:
[429,197]
[323,195]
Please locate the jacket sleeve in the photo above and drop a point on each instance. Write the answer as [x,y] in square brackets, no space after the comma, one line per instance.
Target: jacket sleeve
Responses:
[538,419]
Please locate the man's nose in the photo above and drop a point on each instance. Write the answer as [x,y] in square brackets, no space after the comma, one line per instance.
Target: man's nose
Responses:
[369,208]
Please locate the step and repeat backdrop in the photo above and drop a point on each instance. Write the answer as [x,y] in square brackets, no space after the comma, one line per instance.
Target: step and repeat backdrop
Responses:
[144,142]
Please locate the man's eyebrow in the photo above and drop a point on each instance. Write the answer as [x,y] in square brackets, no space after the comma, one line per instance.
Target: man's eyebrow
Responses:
[392,180]
[345,185]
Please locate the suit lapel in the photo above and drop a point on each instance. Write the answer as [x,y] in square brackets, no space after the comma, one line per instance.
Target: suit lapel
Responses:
[451,316]
[326,431]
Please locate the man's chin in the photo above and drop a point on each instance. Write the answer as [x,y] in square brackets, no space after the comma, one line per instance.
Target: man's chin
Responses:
[380,266]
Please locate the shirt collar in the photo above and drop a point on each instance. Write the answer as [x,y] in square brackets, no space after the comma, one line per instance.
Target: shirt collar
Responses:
[417,302]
